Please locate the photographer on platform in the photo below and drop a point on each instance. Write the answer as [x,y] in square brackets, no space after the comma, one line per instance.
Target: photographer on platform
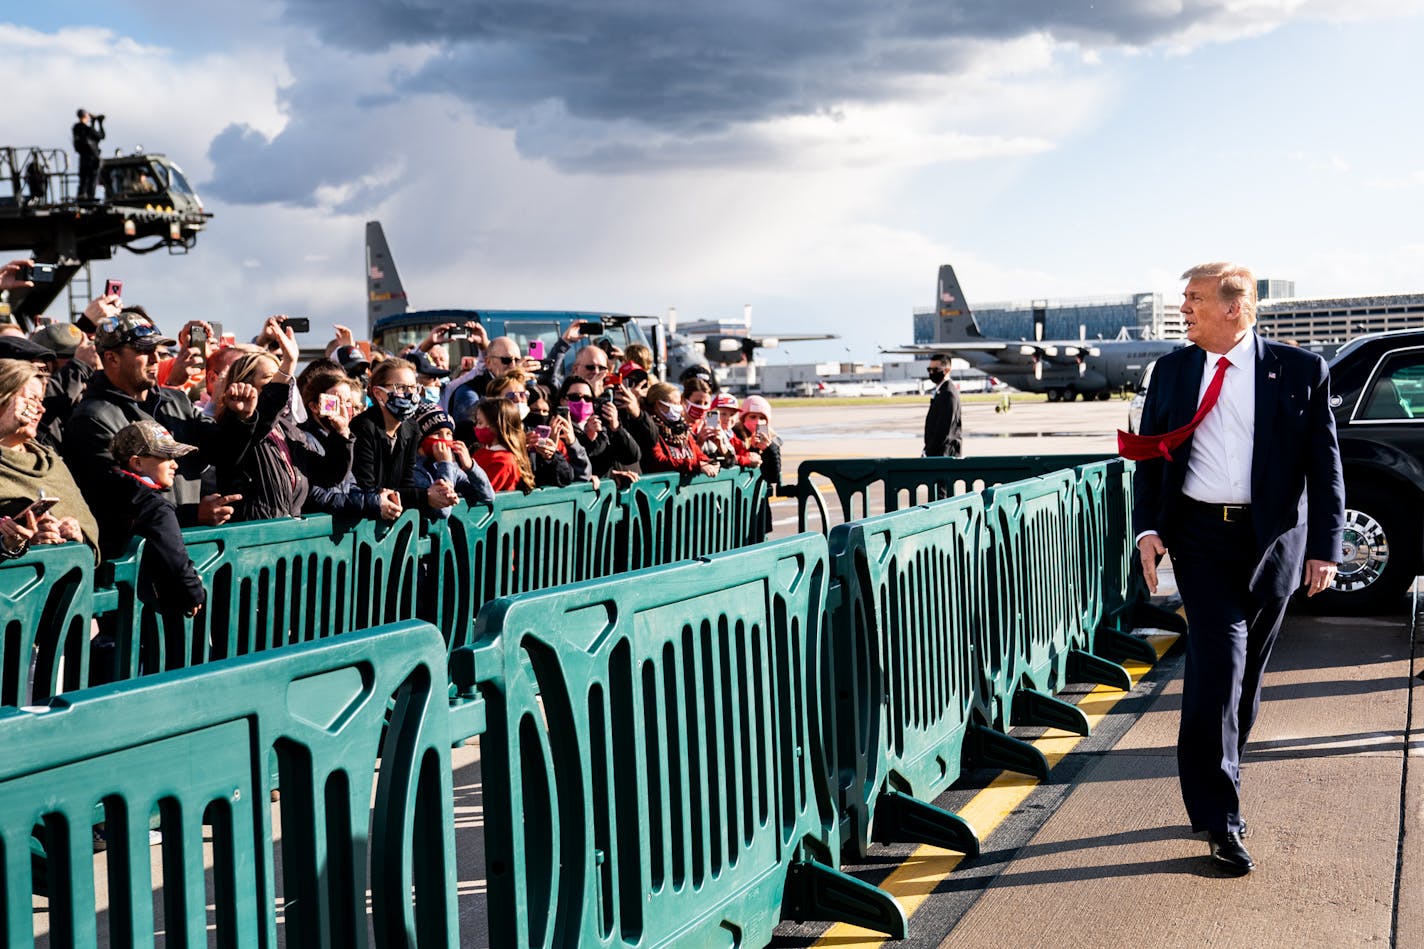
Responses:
[88,133]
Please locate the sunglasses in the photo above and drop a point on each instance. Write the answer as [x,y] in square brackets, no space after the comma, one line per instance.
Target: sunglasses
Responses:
[578,398]
[507,360]
[593,367]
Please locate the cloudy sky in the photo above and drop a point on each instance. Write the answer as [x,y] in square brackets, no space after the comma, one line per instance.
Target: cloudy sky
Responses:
[817,160]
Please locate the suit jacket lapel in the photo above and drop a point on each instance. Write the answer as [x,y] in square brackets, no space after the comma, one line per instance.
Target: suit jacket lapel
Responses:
[1267,388]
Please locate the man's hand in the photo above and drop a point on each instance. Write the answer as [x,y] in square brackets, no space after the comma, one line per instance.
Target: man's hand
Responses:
[108,305]
[286,340]
[710,469]
[10,274]
[240,397]
[609,412]
[622,478]
[185,336]
[592,428]
[572,334]
[1150,548]
[624,398]
[70,530]
[343,337]
[88,355]
[215,510]
[1319,574]
[390,505]
[479,339]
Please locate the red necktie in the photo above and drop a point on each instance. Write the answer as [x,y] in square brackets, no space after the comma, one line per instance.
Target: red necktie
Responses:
[1141,447]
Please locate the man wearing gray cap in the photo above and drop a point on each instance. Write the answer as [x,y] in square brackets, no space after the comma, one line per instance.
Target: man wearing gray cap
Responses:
[126,390]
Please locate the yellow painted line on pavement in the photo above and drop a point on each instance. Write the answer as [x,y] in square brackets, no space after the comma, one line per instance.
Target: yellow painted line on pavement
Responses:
[914,880]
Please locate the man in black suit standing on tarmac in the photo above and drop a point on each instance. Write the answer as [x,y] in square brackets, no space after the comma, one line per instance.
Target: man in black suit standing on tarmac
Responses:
[1238,474]
[943,436]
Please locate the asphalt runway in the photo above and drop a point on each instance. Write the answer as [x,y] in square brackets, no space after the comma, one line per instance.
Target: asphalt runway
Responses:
[883,429]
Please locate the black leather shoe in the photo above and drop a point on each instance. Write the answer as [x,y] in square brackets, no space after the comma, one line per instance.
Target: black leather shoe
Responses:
[1242,832]
[1229,854]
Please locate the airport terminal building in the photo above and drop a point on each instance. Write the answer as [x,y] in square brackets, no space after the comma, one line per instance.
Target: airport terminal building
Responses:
[1104,317]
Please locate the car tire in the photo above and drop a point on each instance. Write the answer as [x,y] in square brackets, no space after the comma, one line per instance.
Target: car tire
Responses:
[1055,395]
[1380,557]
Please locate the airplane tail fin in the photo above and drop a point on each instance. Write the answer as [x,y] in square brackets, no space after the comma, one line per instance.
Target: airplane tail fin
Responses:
[956,320]
[384,294]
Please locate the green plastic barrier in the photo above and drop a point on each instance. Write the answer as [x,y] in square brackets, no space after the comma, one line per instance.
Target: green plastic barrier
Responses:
[904,482]
[384,569]
[670,518]
[912,614]
[47,598]
[1035,599]
[269,584]
[194,747]
[654,768]
[523,542]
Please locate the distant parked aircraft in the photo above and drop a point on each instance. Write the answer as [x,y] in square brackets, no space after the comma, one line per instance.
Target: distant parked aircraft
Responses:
[1065,369]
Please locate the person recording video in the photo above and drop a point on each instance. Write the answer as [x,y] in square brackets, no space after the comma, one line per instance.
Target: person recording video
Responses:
[88,133]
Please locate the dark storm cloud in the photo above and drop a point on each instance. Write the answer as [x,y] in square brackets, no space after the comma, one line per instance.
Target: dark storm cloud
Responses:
[703,66]
[619,86]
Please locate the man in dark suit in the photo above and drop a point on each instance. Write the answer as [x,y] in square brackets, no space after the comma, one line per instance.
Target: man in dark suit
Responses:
[1246,491]
[88,133]
[942,422]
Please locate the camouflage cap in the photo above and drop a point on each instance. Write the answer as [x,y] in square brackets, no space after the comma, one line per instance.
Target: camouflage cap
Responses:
[129,329]
[146,438]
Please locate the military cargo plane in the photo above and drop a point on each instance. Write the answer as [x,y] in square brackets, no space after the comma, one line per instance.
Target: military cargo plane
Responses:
[1064,369]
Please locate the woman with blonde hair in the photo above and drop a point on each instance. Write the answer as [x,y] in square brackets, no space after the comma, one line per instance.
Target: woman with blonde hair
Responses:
[29,471]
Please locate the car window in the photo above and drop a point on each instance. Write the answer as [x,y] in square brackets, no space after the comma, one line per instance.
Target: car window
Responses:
[1398,390]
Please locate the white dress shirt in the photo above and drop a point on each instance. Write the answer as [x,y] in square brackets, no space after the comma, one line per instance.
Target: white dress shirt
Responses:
[1219,469]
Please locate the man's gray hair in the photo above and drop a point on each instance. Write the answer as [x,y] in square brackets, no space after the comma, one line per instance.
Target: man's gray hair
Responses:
[1235,283]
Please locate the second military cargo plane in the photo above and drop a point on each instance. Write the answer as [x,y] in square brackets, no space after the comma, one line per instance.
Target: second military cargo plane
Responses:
[1064,369]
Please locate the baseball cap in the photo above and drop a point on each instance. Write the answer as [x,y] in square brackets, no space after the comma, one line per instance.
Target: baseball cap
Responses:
[147,437]
[62,339]
[632,373]
[425,366]
[724,400]
[129,329]
[351,358]
[22,348]
[755,404]
[432,420]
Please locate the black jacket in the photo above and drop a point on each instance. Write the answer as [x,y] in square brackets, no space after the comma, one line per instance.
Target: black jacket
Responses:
[87,138]
[377,462]
[263,469]
[105,409]
[943,435]
[1297,484]
[62,393]
[136,508]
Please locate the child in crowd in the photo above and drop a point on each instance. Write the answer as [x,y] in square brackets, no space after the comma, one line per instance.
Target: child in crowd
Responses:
[502,452]
[146,460]
[442,458]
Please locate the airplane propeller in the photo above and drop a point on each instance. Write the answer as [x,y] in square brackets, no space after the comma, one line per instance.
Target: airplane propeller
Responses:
[1037,368]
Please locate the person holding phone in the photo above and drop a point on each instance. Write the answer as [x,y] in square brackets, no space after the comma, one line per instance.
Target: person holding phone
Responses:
[31,472]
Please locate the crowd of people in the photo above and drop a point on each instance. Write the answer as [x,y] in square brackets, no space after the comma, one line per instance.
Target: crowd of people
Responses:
[110,429]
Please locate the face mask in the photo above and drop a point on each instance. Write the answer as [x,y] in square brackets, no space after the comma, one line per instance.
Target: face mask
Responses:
[401,406]
[523,408]
[428,445]
[535,419]
[484,435]
[431,395]
[936,376]
[580,411]
[751,423]
[672,411]
[695,411]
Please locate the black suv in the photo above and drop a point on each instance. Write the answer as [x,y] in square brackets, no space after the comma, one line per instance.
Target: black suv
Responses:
[1377,393]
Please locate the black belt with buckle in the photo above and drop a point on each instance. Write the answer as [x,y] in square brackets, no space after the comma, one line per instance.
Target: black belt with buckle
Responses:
[1228,513]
